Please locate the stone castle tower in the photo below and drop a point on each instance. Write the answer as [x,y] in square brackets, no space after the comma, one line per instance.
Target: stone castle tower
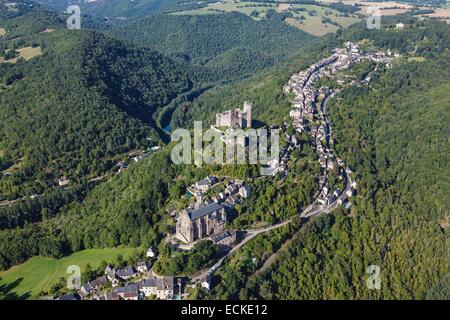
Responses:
[236,118]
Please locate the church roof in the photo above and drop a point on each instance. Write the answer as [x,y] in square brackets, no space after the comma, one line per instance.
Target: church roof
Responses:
[203,211]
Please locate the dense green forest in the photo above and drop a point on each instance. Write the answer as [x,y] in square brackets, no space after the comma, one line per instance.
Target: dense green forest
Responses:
[85,100]
[125,8]
[171,262]
[393,135]
[25,25]
[125,210]
[232,44]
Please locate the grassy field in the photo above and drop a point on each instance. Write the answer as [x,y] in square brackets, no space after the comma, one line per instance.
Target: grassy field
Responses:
[25,281]
[311,23]
[2,32]
[17,164]
[27,53]
[243,7]
[417,59]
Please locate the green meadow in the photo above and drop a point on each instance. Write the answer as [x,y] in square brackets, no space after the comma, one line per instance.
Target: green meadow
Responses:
[309,23]
[26,280]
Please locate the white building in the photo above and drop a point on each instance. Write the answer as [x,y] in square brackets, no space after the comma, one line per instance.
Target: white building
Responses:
[150,252]
[142,266]
[162,288]
[63,181]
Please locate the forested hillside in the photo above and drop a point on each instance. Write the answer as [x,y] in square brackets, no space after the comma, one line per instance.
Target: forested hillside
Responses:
[73,110]
[393,134]
[232,44]
[25,22]
[125,210]
[124,8]
[85,100]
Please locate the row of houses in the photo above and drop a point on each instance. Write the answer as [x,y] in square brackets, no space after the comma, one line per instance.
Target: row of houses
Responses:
[159,287]
[234,192]
[162,288]
[304,111]
[115,277]
[203,185]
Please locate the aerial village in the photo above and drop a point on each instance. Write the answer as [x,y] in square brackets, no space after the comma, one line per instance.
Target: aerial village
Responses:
[206,218]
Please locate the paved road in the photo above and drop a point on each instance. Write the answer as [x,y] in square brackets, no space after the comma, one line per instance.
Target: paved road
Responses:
[250,234]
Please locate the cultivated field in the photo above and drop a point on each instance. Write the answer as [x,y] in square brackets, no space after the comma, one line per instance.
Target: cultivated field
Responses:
[389,8]
[443,13]
[312,14]
[384,4]
[26,280]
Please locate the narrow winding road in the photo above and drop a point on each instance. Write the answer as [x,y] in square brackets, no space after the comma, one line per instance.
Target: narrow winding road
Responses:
[250,234]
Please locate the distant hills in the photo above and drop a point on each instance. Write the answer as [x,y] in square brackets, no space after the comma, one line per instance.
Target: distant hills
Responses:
[201,38]
[122,8]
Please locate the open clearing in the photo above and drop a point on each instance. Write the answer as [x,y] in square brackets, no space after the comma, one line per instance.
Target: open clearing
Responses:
[27,53]
[2,32]
[26,280]
[389,8]
[242,7]
[311,21]
[417,59]
[48,30]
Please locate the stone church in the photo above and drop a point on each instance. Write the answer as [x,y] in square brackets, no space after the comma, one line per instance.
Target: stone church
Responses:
[200,222]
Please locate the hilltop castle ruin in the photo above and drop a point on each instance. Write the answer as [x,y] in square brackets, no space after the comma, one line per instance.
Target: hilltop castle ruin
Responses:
[236,118]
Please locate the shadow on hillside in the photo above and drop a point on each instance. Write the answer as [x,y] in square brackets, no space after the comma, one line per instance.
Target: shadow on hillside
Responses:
[7,294]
